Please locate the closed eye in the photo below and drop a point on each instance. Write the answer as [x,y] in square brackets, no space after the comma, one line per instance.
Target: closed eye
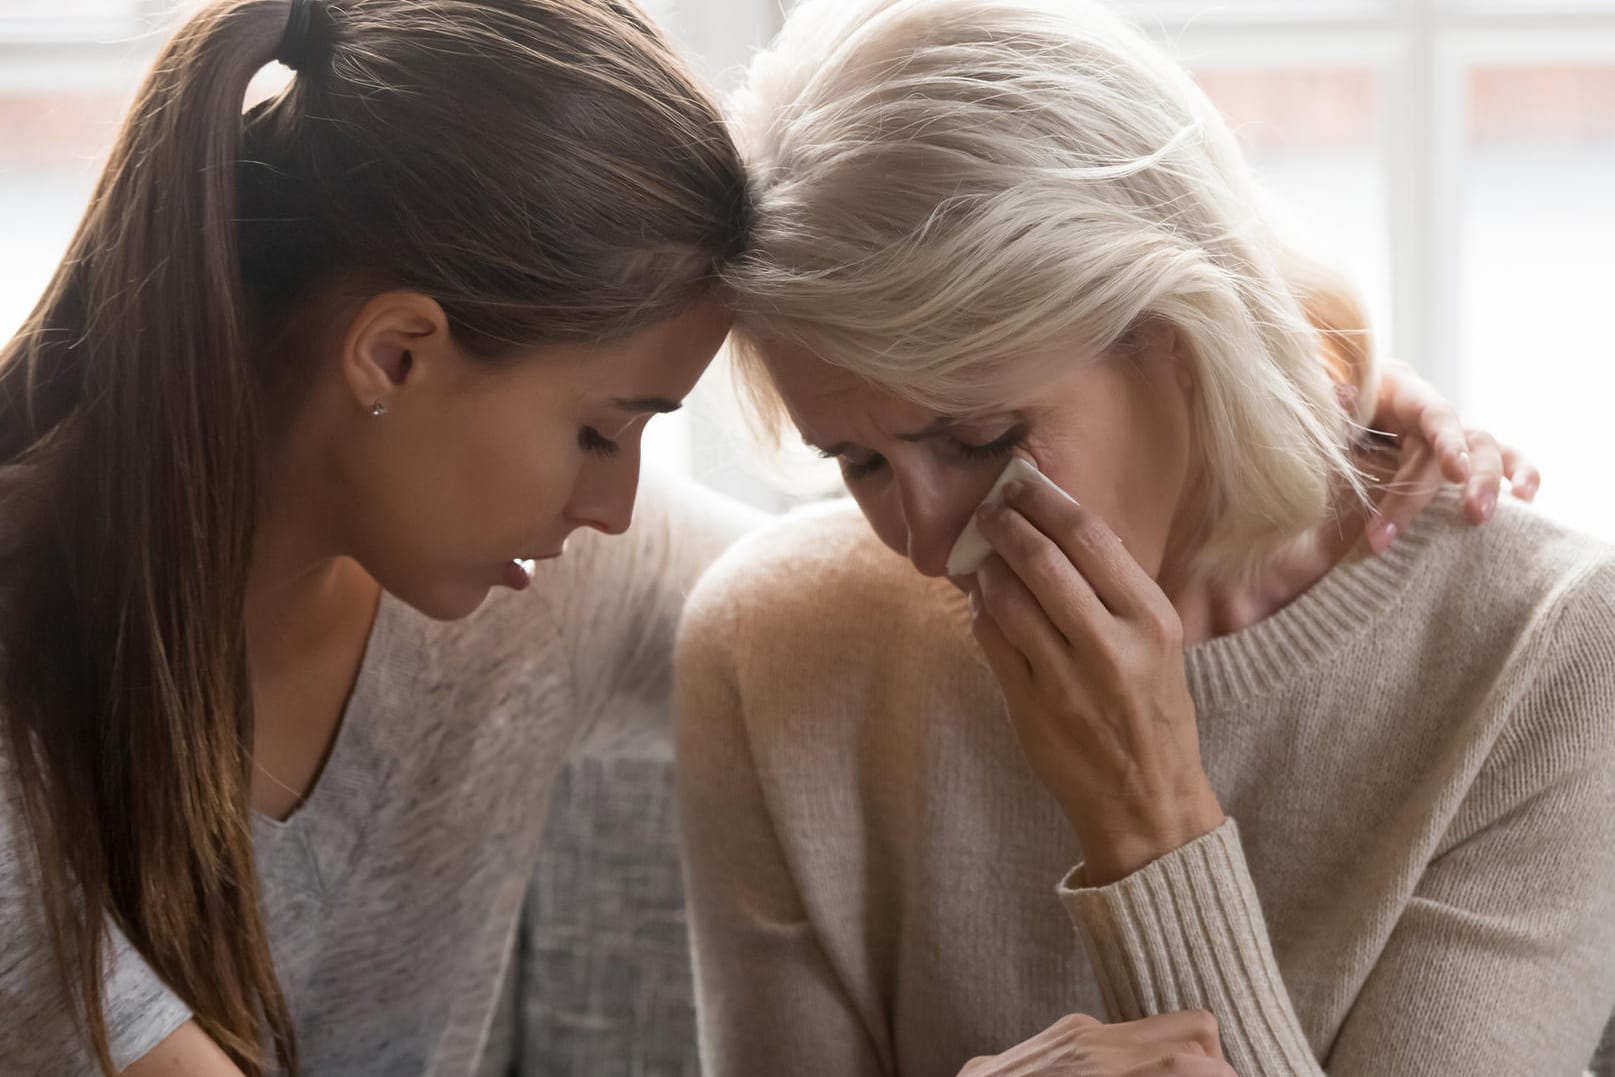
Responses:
[593,441]
[855,468]
[995,449]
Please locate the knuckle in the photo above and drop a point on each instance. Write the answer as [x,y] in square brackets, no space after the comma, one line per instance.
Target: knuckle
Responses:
[1203,1023]
[1164,629]
[1086,528]
[1046,561]
[1093,543]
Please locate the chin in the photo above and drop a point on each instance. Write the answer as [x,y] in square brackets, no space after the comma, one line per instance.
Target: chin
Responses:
[447,603]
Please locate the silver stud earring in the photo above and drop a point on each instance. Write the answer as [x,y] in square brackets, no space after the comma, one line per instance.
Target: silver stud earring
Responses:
[378,409]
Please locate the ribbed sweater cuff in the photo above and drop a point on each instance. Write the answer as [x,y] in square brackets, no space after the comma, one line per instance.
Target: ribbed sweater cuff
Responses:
[1186,932]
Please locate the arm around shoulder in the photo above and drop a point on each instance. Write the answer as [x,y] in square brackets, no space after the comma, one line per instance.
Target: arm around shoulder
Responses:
[769,999]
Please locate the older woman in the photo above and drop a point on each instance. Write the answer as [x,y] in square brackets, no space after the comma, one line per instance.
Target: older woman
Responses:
[1359,809]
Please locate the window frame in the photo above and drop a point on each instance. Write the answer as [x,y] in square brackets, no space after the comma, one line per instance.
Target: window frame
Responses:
[1422,53]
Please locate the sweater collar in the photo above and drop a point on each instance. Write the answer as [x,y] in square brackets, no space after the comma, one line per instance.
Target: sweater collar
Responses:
[1347,601]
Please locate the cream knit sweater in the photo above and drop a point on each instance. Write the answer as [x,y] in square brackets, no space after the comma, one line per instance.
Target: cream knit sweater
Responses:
[1417,758]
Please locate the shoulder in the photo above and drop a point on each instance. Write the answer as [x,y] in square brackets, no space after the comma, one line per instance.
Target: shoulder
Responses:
[1565,597]
[1520,576]
[811,557]
[1520,631]
[1526,605]
[814,578]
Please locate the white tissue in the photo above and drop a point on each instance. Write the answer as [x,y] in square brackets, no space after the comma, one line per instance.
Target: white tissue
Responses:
[971,549]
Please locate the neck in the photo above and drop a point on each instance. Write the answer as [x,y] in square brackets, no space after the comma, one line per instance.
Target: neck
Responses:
[309,612]
[300,586]
[1211,606]
[296,575]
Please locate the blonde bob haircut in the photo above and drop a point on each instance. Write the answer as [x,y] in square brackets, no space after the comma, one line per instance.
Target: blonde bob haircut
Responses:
[946,187]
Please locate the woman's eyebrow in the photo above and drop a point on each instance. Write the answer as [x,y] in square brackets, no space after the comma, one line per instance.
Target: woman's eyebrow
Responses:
[938,427]
[659,405]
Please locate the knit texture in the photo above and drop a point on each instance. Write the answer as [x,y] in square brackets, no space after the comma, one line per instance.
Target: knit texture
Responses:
[1417,758]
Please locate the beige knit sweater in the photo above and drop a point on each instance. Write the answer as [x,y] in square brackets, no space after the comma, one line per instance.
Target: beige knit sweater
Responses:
[1418,877]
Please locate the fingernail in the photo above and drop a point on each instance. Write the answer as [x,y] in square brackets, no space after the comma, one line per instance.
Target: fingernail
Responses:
[989,513]
[1463,463]
[1013,489]
[1488,505]
[975,604]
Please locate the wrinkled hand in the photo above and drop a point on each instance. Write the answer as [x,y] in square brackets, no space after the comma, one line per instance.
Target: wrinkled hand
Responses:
[1435,446]
[1089,653]
[1183,1044]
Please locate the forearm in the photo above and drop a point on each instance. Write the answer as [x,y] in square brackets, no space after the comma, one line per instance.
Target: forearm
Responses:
[1186,932]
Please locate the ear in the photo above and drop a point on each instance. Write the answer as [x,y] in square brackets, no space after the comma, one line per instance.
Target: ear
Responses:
[1157,340]
[1177,348]
[393,340]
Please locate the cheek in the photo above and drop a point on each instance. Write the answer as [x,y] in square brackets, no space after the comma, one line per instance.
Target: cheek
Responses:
[505,470]
[885,516]
[536,472]
[1129,482]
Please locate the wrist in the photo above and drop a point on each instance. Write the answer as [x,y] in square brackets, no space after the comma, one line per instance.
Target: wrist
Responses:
[1116,848]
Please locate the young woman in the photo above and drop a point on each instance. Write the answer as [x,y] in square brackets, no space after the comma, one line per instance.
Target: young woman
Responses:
[1358,809]
[310,384]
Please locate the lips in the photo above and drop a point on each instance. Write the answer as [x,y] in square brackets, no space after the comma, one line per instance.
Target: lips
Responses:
[518,574]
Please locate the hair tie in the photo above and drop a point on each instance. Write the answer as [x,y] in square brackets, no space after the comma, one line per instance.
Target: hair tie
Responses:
[296,49]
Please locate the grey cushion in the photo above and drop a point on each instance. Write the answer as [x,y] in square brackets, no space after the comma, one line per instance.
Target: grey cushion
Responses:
[600,983]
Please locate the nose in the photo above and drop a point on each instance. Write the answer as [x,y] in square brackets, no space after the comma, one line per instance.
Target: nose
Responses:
[933,522]
[604,499]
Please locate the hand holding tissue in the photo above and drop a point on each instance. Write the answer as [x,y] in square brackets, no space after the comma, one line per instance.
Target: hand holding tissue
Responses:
[972,549]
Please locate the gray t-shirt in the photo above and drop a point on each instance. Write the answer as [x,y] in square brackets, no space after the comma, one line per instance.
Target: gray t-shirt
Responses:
[393,892]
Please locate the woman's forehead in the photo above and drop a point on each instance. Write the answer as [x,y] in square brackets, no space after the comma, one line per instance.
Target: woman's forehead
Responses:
[811,385]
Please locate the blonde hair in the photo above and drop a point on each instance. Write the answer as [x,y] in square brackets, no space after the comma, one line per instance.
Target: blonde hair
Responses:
[942,187]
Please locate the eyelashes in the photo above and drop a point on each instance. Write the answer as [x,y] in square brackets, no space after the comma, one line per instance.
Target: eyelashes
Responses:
[853,470]
[994,449]
[593,441]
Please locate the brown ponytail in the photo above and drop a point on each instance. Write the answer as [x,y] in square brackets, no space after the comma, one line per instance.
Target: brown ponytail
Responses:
[600,195]
[127,397]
